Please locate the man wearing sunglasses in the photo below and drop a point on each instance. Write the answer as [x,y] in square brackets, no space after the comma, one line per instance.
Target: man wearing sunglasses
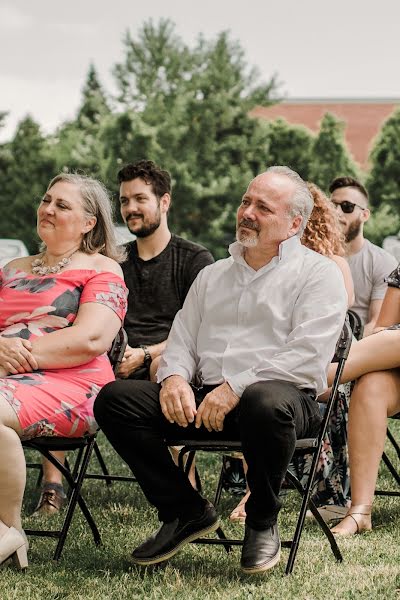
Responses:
[369,264]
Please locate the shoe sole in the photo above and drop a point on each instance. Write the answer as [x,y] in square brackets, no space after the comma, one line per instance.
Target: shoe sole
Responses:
[263,567]
[167,555]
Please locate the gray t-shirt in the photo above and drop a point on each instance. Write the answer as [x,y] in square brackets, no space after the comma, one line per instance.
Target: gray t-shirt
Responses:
[369,267]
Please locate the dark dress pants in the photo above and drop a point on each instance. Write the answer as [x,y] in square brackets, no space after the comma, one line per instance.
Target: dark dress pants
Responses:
[268,419]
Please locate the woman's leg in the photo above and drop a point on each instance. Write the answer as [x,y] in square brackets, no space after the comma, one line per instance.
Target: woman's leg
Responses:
[12,467]
[239,512]
[377,352]
[375,397]
[50,473]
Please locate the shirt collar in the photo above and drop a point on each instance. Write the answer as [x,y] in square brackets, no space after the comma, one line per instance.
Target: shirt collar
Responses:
[286,249]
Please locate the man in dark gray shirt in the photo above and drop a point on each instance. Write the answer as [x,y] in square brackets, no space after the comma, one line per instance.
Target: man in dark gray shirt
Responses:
[160,266]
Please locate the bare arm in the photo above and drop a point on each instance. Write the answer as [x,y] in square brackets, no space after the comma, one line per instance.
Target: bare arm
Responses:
[373,314]
[91,334]
[390,308]
[377,352]
[348,280]
[134,358]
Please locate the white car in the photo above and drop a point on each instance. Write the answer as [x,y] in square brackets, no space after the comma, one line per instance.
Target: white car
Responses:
[10,249]
[123,234]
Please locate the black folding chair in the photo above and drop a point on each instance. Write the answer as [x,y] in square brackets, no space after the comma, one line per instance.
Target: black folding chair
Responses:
[356,324]
[311,446]
[395,471]
[75,477]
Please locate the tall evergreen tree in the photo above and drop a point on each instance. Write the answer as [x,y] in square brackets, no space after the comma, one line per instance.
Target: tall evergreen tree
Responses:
[95,105]
[384,178]
[76,143]
[330,157]
[28,169]
[289,145]
[191,115]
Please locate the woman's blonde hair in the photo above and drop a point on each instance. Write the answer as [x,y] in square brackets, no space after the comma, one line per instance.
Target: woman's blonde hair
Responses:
[323,233]
[96,203]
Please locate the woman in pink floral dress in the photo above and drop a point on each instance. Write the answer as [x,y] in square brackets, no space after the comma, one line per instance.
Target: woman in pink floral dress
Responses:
[59,312]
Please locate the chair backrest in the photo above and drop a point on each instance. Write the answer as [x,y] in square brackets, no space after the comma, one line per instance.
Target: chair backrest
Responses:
[356,324]
[117,350]
[341,353]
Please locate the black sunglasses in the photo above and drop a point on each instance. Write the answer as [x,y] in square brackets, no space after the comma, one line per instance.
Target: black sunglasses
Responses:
[346,206]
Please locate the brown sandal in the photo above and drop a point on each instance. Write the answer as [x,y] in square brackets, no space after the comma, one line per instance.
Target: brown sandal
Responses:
[358,519]
[51,501]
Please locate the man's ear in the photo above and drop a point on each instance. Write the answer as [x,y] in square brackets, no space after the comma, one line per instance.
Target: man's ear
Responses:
[165,202]
[366,213]
[296,223]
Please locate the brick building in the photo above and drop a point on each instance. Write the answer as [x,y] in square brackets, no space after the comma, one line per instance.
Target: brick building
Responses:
[363,118]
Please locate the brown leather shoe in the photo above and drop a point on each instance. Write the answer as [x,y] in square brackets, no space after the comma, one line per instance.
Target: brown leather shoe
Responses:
[50,502]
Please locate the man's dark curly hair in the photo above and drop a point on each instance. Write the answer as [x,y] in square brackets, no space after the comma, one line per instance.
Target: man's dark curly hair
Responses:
[151,173]
[341,182]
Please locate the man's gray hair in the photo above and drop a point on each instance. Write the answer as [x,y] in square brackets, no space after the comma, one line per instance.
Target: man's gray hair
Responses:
[301,202]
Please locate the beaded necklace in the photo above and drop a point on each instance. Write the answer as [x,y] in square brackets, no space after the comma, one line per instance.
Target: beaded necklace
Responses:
[39,266]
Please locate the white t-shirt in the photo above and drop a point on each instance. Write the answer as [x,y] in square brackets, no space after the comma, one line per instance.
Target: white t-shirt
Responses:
[369,267]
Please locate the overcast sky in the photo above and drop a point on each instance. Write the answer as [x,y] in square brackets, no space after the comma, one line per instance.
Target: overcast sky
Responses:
[318,48]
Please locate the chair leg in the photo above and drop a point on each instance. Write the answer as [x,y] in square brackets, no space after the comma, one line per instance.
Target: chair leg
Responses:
[102,463]
[76,498]
[393,442]
[305,504]
[218,491]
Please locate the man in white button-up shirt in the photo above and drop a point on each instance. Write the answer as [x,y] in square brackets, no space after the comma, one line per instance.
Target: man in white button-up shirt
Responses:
[258,330]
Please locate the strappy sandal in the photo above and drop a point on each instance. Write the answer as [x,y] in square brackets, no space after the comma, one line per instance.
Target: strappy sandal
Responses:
[357,520]
[238,515]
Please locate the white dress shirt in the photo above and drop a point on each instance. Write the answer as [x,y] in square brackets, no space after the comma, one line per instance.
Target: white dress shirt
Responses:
[242,326]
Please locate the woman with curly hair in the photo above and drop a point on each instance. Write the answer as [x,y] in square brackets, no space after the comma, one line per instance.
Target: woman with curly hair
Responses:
[323,235]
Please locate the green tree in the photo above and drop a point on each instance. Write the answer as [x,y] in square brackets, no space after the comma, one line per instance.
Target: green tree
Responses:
[384,178]
[76,143]
[330,157]
[95,105]
[289,145]
[27,169]
[383,221]
[191,115]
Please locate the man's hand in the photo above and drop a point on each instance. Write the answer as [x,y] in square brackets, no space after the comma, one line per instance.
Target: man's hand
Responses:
[177,401]
[16,356]
[215,406]
[133,359]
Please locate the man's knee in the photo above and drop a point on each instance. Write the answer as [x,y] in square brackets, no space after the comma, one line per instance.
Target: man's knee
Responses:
[127,400]
[267,400]
[105,402]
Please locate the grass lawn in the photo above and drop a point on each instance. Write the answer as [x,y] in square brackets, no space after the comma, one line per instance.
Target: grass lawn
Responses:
[371,567]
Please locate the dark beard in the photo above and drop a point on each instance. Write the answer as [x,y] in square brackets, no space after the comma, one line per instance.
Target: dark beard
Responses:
[353,231]
[146,230]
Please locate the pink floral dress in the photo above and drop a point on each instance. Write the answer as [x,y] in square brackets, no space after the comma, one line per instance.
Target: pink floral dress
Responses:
[55,401]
